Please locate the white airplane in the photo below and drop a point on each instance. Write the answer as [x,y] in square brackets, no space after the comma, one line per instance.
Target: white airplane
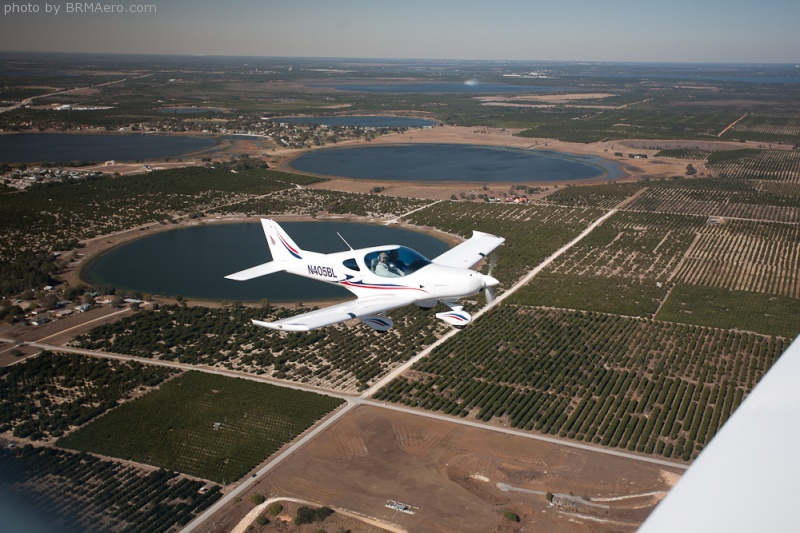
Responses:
[382,277]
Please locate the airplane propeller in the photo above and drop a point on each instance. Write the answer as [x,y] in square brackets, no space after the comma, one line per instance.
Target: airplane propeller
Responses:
[489,282]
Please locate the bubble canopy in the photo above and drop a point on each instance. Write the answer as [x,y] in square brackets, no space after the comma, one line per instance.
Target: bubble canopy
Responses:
[398,261]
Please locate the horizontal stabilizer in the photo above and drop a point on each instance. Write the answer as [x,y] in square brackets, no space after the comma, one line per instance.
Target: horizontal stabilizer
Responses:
[258,271]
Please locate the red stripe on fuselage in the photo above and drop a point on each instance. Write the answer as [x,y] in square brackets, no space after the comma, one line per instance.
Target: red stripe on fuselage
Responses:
[380,287]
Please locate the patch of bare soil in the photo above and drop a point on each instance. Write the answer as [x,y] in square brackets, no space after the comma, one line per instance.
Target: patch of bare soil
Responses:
[460,479]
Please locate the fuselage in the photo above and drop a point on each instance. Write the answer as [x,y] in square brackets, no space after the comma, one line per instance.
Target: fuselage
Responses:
[361,272]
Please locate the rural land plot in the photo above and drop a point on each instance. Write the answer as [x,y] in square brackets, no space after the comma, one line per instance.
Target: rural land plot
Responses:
[776,165]
[642,385]
[208,426]
[458,478]
[341,357]
[745,255]
[753,184]
[740,310]
[646,246]
[80,492]
[308,202]
[762,127]
[750,203]
[621,267]
[605,294]
[606,196]
[46,396]
[39,219]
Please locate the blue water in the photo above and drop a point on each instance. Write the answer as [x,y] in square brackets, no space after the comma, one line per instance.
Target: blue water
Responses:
[193,262]
[54,147]
[454,162]
[441,87]
[361,121]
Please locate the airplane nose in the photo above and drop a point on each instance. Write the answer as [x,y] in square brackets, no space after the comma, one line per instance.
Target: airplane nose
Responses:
[489,282]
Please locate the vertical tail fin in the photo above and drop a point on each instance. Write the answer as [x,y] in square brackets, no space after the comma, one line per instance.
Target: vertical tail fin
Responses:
[281,246]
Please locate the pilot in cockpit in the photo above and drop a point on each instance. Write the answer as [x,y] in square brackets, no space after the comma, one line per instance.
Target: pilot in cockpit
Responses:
[388,268]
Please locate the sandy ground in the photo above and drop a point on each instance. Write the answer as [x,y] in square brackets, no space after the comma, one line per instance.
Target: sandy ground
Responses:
[449,475]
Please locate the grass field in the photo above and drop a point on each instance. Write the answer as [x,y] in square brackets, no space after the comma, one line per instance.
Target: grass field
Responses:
[175,427]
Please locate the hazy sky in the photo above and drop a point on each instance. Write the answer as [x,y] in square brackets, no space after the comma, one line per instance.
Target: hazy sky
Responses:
[580,30]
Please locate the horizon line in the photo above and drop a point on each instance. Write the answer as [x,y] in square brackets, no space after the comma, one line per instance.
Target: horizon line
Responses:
[419,59]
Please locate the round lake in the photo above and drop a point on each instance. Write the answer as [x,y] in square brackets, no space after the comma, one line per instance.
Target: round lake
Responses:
[454,162]
[194,261]
[55,147]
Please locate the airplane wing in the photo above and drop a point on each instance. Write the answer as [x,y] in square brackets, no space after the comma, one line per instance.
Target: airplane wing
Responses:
[470,251]
[362,307]
[746,478]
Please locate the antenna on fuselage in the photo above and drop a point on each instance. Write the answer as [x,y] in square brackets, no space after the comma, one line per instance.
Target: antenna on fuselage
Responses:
[347,243]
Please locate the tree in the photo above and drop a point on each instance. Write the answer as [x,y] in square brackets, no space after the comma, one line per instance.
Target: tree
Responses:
[49,302]
[307,515]
[275,509]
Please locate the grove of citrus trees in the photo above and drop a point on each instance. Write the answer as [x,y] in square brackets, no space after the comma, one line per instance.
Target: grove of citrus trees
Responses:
[745,255]
[205,425]
[644,385]
[80,492]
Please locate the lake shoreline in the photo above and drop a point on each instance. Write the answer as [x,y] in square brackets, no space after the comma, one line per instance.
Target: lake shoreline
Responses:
[95,248]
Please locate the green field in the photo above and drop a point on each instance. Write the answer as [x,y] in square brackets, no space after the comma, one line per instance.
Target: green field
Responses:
[723,308]
[629,297]
[67,390]
[176,427]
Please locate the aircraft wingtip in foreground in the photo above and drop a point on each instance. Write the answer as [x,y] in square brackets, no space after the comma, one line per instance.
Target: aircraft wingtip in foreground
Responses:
[382,277]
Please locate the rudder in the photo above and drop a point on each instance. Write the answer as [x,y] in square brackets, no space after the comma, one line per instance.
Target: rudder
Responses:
[281,246]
